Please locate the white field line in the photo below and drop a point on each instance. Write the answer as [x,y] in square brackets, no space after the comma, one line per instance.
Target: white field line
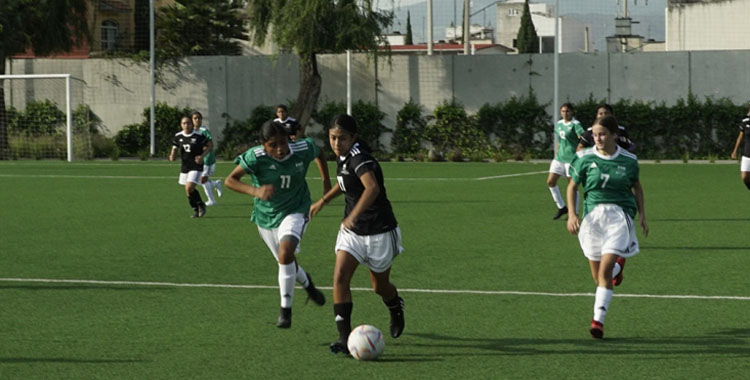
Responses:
[406,290]
[311,178]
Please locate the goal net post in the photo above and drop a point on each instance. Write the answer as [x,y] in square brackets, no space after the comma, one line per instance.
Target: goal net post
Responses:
[38,117]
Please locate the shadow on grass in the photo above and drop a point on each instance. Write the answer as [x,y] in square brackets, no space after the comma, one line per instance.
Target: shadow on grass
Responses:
[735,342]
[68,360]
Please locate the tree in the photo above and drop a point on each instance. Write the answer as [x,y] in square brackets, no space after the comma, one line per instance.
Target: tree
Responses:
[312,27]
[409,36]
[200,27]
[42,26]
[527,40]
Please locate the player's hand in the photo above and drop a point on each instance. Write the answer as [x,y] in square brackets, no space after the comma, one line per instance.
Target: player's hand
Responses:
[733,155]
[316,207]
[573,224]
[644,225]
[198,159]
[348,223]
[265,192]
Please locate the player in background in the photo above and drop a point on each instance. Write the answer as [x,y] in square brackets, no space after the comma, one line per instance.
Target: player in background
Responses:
[612,196]
[209,163]
[281,204]
[567,132]
[193,148]
[745,163]
[290,124]
[369,233]
[623,139]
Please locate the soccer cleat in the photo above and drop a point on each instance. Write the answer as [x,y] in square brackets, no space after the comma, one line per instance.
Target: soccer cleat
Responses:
[617,280]
[338,348]
[285,318]
[201,210]
[313,293]
[211,203]
[217,186]
[560,212]
[597,330]
[397,318]
[195,213]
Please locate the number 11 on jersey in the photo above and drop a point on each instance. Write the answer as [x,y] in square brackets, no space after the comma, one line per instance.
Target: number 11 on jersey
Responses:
[286,180]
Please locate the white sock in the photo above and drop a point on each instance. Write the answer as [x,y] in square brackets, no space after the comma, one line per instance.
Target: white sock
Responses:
[209,190]
[616,269]
[557,197]
[217,185]
[302,277]
[601,303]
[286,284]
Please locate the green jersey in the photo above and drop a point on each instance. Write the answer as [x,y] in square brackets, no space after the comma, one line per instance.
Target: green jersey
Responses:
[287,176]
[210,158]
[606,179]
[567,135]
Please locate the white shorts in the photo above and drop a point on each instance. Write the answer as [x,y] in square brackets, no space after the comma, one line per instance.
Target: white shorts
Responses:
[559,168]
[375,251]
[607,229]
[745,164]
[293,224]
[193,176]
[208,170]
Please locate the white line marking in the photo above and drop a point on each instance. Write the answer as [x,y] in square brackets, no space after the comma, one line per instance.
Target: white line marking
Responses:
[406,290]
[510,175]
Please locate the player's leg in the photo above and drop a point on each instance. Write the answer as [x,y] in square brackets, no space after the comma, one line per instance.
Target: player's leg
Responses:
[746,179]
[343,271]
[194,197]
[556,169]
[383,248]
[287,278]
[208,185]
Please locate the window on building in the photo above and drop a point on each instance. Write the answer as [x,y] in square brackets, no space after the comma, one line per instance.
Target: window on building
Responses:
[109,35]
[514,12]
[547,44]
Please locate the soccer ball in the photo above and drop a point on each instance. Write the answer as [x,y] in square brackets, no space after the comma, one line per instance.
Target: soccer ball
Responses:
[365,343]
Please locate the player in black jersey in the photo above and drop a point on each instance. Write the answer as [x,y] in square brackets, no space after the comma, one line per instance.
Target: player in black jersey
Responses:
[193,148]
[290,124]
[369,233]
[745,163]
[623,139]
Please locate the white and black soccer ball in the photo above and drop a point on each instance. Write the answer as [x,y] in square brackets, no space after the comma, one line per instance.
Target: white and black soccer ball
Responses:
[365,342]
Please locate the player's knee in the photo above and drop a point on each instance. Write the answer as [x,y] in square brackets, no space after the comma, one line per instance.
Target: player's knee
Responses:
[551,182]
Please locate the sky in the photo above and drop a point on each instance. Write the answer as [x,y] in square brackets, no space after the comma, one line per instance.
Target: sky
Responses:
[600,14]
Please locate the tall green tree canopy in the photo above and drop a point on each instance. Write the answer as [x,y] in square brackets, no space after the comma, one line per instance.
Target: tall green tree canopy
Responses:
[43,26]
[527,40]
[311,27]
[200,27]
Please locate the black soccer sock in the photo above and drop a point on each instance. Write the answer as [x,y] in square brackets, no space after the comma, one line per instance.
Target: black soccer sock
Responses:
[195,198]
[343,316]
[393,303]
[191,200]
[747,184]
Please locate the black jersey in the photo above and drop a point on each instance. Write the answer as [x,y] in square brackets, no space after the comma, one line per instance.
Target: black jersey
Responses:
[623,140]
[745,129]
[290,124]
[378,218]
[190,146]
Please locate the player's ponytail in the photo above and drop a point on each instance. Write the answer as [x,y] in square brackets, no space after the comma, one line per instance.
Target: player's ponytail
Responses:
[347,123]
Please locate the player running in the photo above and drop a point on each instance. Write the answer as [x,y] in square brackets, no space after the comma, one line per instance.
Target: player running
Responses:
[612,196]
[568,130]
[369,233]
[290,124]
[193,149]
[209,163]
[623,139]
[745,163]
[281,204]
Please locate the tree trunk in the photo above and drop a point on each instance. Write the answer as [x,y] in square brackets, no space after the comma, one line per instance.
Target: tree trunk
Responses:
[309,90]
[4,147]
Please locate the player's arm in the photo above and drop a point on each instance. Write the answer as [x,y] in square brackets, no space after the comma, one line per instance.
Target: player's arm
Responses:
[320,161]
[737,145]
[570,196]
[327,197]
[638,192]
[206,150]
[233,181]
[368,197]
[172,153]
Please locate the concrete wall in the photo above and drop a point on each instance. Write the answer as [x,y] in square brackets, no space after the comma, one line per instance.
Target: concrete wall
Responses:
[118,90]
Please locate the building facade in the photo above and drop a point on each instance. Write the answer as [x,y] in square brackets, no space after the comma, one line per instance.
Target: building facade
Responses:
[707,25]
[574,35]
